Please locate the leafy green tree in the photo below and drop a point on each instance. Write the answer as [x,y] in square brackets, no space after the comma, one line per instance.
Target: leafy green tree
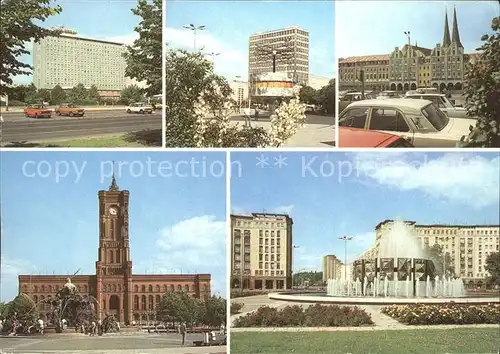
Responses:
[17,27]
[44,95]
[215,311]
[493,267]
[131,94]
[482,92]
[180,307]
[313,278]
[93,96]
[326,97]
[308,95]
[78,94]
[144,57]
[31,94]
[4,308]
[435,254]
[24,308]
[58,95]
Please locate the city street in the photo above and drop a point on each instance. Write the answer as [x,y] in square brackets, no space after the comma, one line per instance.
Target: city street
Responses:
[311,119]
[16,127]
[112,344]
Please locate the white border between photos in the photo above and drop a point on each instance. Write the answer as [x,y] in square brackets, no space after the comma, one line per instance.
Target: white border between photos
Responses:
[228,250]
[163,71]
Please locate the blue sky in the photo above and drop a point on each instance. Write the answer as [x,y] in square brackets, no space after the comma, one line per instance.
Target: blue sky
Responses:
[229,25]
[51,225]
[379,26]
[99,19]
[362,190]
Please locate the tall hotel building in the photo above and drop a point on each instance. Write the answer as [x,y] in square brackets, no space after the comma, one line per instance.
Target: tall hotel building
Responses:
[290,38]
[332,267]
[467,245]
[261,251]
[411,66]
[68,60]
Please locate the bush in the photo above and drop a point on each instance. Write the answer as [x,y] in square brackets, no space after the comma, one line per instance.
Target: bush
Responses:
[236,307]
[13,103]
[452,313]
[314,316]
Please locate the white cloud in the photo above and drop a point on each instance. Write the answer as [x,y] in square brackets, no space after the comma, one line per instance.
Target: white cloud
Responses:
[452,177]
[11,268]
[196,245]
[230,62]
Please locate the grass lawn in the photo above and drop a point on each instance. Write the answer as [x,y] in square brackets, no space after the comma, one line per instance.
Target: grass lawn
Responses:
[102,141]
[418,341]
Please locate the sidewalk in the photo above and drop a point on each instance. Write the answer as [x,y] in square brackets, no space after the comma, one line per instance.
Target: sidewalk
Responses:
[89,108]
[177,350]
[310,135]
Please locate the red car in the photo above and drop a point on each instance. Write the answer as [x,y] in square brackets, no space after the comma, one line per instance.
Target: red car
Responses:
[355,137]
[37,111]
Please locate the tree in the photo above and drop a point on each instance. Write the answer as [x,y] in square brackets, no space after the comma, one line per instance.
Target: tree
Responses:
[44,95]
[435,254]
[93,96]
[308,95]
[326,97]
[31,94]
[78,94]
[58,95]
[23,308]
[482,92]
[144,57]
[492,266]
[180,307]
[215,311]
[17,27]
[131,94]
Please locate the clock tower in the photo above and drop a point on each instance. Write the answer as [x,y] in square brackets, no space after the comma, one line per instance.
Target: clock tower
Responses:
[114,267]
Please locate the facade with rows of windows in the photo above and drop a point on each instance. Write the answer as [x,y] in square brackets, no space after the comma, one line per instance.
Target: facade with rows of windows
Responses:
[411,66]
[261,251]
[129,297]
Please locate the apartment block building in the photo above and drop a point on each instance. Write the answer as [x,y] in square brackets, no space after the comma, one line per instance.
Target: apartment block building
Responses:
[261,251]
[291,50]
[68,60]
[467,245]
[332,267]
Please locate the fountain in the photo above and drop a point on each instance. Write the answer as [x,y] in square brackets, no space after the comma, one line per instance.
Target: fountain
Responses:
[400,274]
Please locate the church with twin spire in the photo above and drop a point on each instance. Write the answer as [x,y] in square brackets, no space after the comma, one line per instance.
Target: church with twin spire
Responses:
[129,297]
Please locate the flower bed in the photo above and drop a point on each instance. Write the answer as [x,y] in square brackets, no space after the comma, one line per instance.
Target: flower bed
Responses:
[236,307]
[313,316]
[422,314]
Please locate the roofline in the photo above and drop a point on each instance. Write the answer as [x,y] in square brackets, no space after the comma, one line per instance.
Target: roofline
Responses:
[204,276]
[437,225]
[253,215]
[76,37]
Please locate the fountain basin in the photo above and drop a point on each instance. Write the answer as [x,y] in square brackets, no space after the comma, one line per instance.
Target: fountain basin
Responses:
[368,300]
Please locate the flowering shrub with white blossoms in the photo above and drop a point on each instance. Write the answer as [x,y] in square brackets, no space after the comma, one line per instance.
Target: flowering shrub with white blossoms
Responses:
[287,119]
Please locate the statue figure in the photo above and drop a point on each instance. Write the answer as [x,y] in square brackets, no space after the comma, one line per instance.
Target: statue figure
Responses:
[70,287]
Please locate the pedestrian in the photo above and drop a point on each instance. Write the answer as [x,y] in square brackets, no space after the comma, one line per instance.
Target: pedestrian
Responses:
[256,113]
[40,325]
[182,330]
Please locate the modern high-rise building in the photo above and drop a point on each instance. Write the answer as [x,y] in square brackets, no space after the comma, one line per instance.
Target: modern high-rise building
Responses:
[411,66]
[467,245]
[289,46]
[332,267]
[261,251]
[68,60]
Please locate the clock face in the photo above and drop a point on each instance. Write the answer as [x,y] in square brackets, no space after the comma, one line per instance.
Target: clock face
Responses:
[113,211]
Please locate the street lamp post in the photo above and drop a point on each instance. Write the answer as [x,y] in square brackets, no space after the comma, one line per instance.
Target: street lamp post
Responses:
[213,55]
[345,239]
[293,247]
[408,54]
[195,30]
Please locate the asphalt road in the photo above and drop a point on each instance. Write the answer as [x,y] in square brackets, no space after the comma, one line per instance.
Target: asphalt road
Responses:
[17,127]
[105,343]
[311,119]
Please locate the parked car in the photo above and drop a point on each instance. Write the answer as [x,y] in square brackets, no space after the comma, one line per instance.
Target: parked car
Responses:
[140,107]
[69,109]
[418,121]
[348,98]
[387,94]
[441,101]
[355,137]
[37,111]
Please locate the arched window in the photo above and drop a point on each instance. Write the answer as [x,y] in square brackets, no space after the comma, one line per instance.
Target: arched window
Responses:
[143,288]
[172,288]
[117,256]
[157,288]
[35,299]
[143,302]
[165,288]
[136,302]
[158,299]
[179,287]
[186,288]
[36,288]
[25,288]
[111,256]
[50,288]
[151,302]
[136,288]
[43,288]
[42,307]
[150,289]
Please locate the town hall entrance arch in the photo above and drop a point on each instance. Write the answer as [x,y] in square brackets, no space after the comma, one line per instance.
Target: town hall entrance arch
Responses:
[114,306]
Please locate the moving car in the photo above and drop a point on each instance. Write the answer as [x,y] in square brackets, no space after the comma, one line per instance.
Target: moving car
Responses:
[69,109]
[355,137]
[37,111]
[441,101]
[418,121]
[140,107]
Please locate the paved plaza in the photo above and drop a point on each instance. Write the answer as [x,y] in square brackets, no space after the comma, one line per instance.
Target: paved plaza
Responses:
[110,344]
